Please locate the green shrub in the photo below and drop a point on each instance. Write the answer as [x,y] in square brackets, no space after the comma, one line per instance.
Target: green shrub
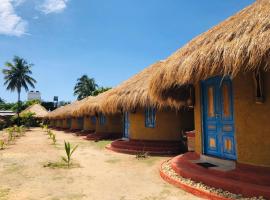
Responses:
[27,119]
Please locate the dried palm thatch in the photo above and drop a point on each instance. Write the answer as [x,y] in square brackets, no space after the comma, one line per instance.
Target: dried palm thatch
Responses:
[39,110]
[82,105]
[55,113]
[240,43]
[131,94]
[68,110]
[91,105]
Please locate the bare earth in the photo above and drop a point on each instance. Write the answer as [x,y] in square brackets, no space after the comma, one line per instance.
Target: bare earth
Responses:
[102,175]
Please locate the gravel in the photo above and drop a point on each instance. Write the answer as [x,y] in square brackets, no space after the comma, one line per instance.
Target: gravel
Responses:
[166,168]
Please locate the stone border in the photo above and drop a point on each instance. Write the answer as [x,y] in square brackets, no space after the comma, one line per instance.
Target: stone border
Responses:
[193,189]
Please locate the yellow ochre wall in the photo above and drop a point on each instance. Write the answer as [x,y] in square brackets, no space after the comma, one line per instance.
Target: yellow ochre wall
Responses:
[64,125]
[114,124]
[51,123]
[74,124]
[252,127]
[169,125]
[88,125]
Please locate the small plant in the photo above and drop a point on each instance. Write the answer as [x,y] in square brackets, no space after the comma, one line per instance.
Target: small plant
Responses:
[50,133]
[10,132]
[2,144]
[22,130]
[16,131]
[53,138]
[69,151]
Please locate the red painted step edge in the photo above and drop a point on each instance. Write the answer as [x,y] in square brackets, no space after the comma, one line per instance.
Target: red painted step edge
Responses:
[193,190]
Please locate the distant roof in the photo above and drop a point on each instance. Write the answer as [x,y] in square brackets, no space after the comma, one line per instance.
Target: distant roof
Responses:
[38,109]
[4,113]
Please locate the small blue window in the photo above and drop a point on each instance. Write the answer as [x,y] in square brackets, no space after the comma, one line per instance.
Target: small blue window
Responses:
[150,117]
[102,119]
[93,119]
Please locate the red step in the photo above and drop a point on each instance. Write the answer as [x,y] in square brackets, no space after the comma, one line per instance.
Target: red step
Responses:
[152,147]
[246,182]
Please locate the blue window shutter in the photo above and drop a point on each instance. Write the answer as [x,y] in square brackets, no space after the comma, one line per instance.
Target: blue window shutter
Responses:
[150,117]
[93,119]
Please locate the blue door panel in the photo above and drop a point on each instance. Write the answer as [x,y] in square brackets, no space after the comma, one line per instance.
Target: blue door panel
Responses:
[80,123]
[126,124]
[218,118]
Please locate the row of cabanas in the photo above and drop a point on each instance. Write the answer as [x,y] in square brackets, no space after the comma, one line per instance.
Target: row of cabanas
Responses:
[224,75]
[128,112]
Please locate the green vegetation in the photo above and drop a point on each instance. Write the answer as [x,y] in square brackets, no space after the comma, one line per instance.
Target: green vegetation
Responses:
[101,144]
[54,138]
[4,193]
[2,144]
[11,134]
[100,90]
[86,86]
[17,75]
[69,151]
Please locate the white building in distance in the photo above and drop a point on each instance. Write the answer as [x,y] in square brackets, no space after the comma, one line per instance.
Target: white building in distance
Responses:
[34,95]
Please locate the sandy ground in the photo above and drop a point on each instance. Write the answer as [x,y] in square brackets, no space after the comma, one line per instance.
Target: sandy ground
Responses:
[101,174]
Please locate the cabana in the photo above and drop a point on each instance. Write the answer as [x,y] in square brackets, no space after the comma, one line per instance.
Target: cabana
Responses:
[229,68]
[148,126]
[54,118]
[107,126]
[88,120]
[39,111]
[73,123]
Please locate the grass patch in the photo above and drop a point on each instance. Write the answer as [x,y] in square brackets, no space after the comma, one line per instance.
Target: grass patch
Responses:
[61,165]
[149,160]
[113,161]
[101,144]
[14,167]
[4,194]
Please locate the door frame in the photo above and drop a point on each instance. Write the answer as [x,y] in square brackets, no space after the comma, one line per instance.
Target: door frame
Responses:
[201,88]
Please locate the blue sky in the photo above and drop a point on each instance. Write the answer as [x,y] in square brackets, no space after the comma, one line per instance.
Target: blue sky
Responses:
[109,40]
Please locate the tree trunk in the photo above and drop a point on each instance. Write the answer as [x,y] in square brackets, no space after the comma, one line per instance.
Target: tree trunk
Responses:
[19,103]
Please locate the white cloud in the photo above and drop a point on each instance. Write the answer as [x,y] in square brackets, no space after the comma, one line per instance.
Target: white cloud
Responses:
[10,22]
[53,6]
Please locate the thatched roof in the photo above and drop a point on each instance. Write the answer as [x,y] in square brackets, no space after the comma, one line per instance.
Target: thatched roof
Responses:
[82,107]
[131,94]
[39,110]
[91,105]
[240,43]
[62,112]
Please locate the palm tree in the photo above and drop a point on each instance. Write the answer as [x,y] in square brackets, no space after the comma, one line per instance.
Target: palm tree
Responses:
[17,76]
[101,90]
[85,87]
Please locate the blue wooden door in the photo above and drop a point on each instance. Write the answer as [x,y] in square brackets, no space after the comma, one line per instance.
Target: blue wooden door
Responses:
[80,123]
[218,118]
[126,125]
[69,123]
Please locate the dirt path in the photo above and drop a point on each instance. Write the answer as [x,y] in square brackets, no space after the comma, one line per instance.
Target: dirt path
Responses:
[102,175]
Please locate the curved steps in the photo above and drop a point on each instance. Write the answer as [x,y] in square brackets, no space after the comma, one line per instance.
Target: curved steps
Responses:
[151,147]
[102,136]
[239,181]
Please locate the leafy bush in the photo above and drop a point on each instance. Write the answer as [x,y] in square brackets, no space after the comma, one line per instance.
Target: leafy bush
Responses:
[27,119]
